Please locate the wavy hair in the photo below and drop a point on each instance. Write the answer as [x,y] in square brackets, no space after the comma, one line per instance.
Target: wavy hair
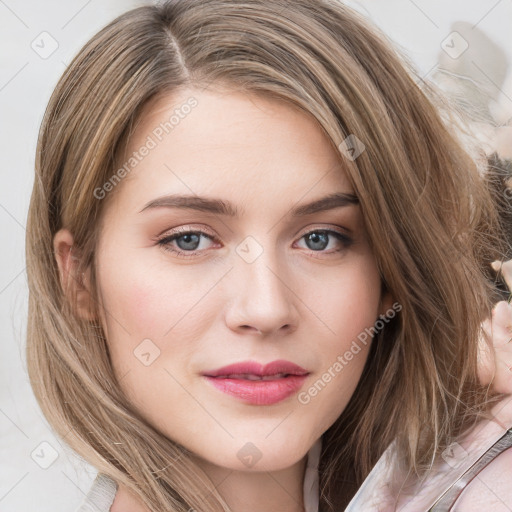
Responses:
[430,219]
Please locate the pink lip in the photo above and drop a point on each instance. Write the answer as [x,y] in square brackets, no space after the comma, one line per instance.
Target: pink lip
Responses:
[254,368]
[258,392]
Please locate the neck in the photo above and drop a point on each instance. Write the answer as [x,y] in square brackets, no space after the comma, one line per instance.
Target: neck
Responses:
[254,491]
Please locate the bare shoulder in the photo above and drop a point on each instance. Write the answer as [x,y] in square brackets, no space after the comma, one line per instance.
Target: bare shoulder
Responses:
[125,501]
[491,489]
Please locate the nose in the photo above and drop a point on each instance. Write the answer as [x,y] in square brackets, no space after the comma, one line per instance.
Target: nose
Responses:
[263,300]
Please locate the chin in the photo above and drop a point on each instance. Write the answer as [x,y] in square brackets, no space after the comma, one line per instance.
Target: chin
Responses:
[260,454]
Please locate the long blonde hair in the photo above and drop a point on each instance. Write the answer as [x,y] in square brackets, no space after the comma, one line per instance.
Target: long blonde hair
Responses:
[430,220]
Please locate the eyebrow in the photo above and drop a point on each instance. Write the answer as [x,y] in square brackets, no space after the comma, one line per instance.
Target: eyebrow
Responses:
[221,207]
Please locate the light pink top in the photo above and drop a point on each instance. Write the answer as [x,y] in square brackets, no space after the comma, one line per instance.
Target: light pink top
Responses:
[491,486]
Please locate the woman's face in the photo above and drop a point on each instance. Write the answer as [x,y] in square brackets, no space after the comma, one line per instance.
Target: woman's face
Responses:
[264,275]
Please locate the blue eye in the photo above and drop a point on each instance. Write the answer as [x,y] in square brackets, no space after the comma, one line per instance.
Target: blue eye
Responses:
[185,243]
[319,239]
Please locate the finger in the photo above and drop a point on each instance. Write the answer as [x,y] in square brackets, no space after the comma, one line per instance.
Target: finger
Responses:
[505,268]
[502,316]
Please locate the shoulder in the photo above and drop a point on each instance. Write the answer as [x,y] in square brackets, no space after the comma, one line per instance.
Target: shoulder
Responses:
[100,495]
[125,501]
[490,489]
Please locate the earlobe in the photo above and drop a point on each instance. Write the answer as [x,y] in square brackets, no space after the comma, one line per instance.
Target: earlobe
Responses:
[74,286]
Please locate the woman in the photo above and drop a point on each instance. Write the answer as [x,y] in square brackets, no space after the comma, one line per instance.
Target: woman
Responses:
[254,247]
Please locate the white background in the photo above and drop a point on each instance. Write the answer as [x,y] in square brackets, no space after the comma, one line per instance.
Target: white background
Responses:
[26,82]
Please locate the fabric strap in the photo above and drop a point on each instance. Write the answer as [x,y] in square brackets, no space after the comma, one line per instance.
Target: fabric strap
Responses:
[448,499]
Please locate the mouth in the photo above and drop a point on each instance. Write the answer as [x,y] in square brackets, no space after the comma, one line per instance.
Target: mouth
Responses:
[255,384]
[253,370]
[250,376]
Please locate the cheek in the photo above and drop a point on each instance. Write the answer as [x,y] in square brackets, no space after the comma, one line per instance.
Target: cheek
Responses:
[142,303]
[151,328]
[148,300]
[351,309]
[348,303]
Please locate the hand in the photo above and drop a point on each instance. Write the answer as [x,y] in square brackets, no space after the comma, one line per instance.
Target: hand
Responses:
[495,354]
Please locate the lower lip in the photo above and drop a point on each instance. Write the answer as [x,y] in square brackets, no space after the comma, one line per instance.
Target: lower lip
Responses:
[259,392]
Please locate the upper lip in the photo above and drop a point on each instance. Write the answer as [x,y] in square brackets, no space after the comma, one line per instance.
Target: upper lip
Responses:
[255,368]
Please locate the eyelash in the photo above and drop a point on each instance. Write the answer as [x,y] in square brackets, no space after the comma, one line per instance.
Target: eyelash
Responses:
[165,241]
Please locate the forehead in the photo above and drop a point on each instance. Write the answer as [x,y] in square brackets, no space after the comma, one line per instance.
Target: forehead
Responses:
[229,143]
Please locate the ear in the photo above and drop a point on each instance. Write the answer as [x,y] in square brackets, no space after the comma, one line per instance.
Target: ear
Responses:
[76,287]
[386,301]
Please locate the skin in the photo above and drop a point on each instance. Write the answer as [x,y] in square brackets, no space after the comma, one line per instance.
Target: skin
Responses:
[297,301]
[294,301]
[496,349]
